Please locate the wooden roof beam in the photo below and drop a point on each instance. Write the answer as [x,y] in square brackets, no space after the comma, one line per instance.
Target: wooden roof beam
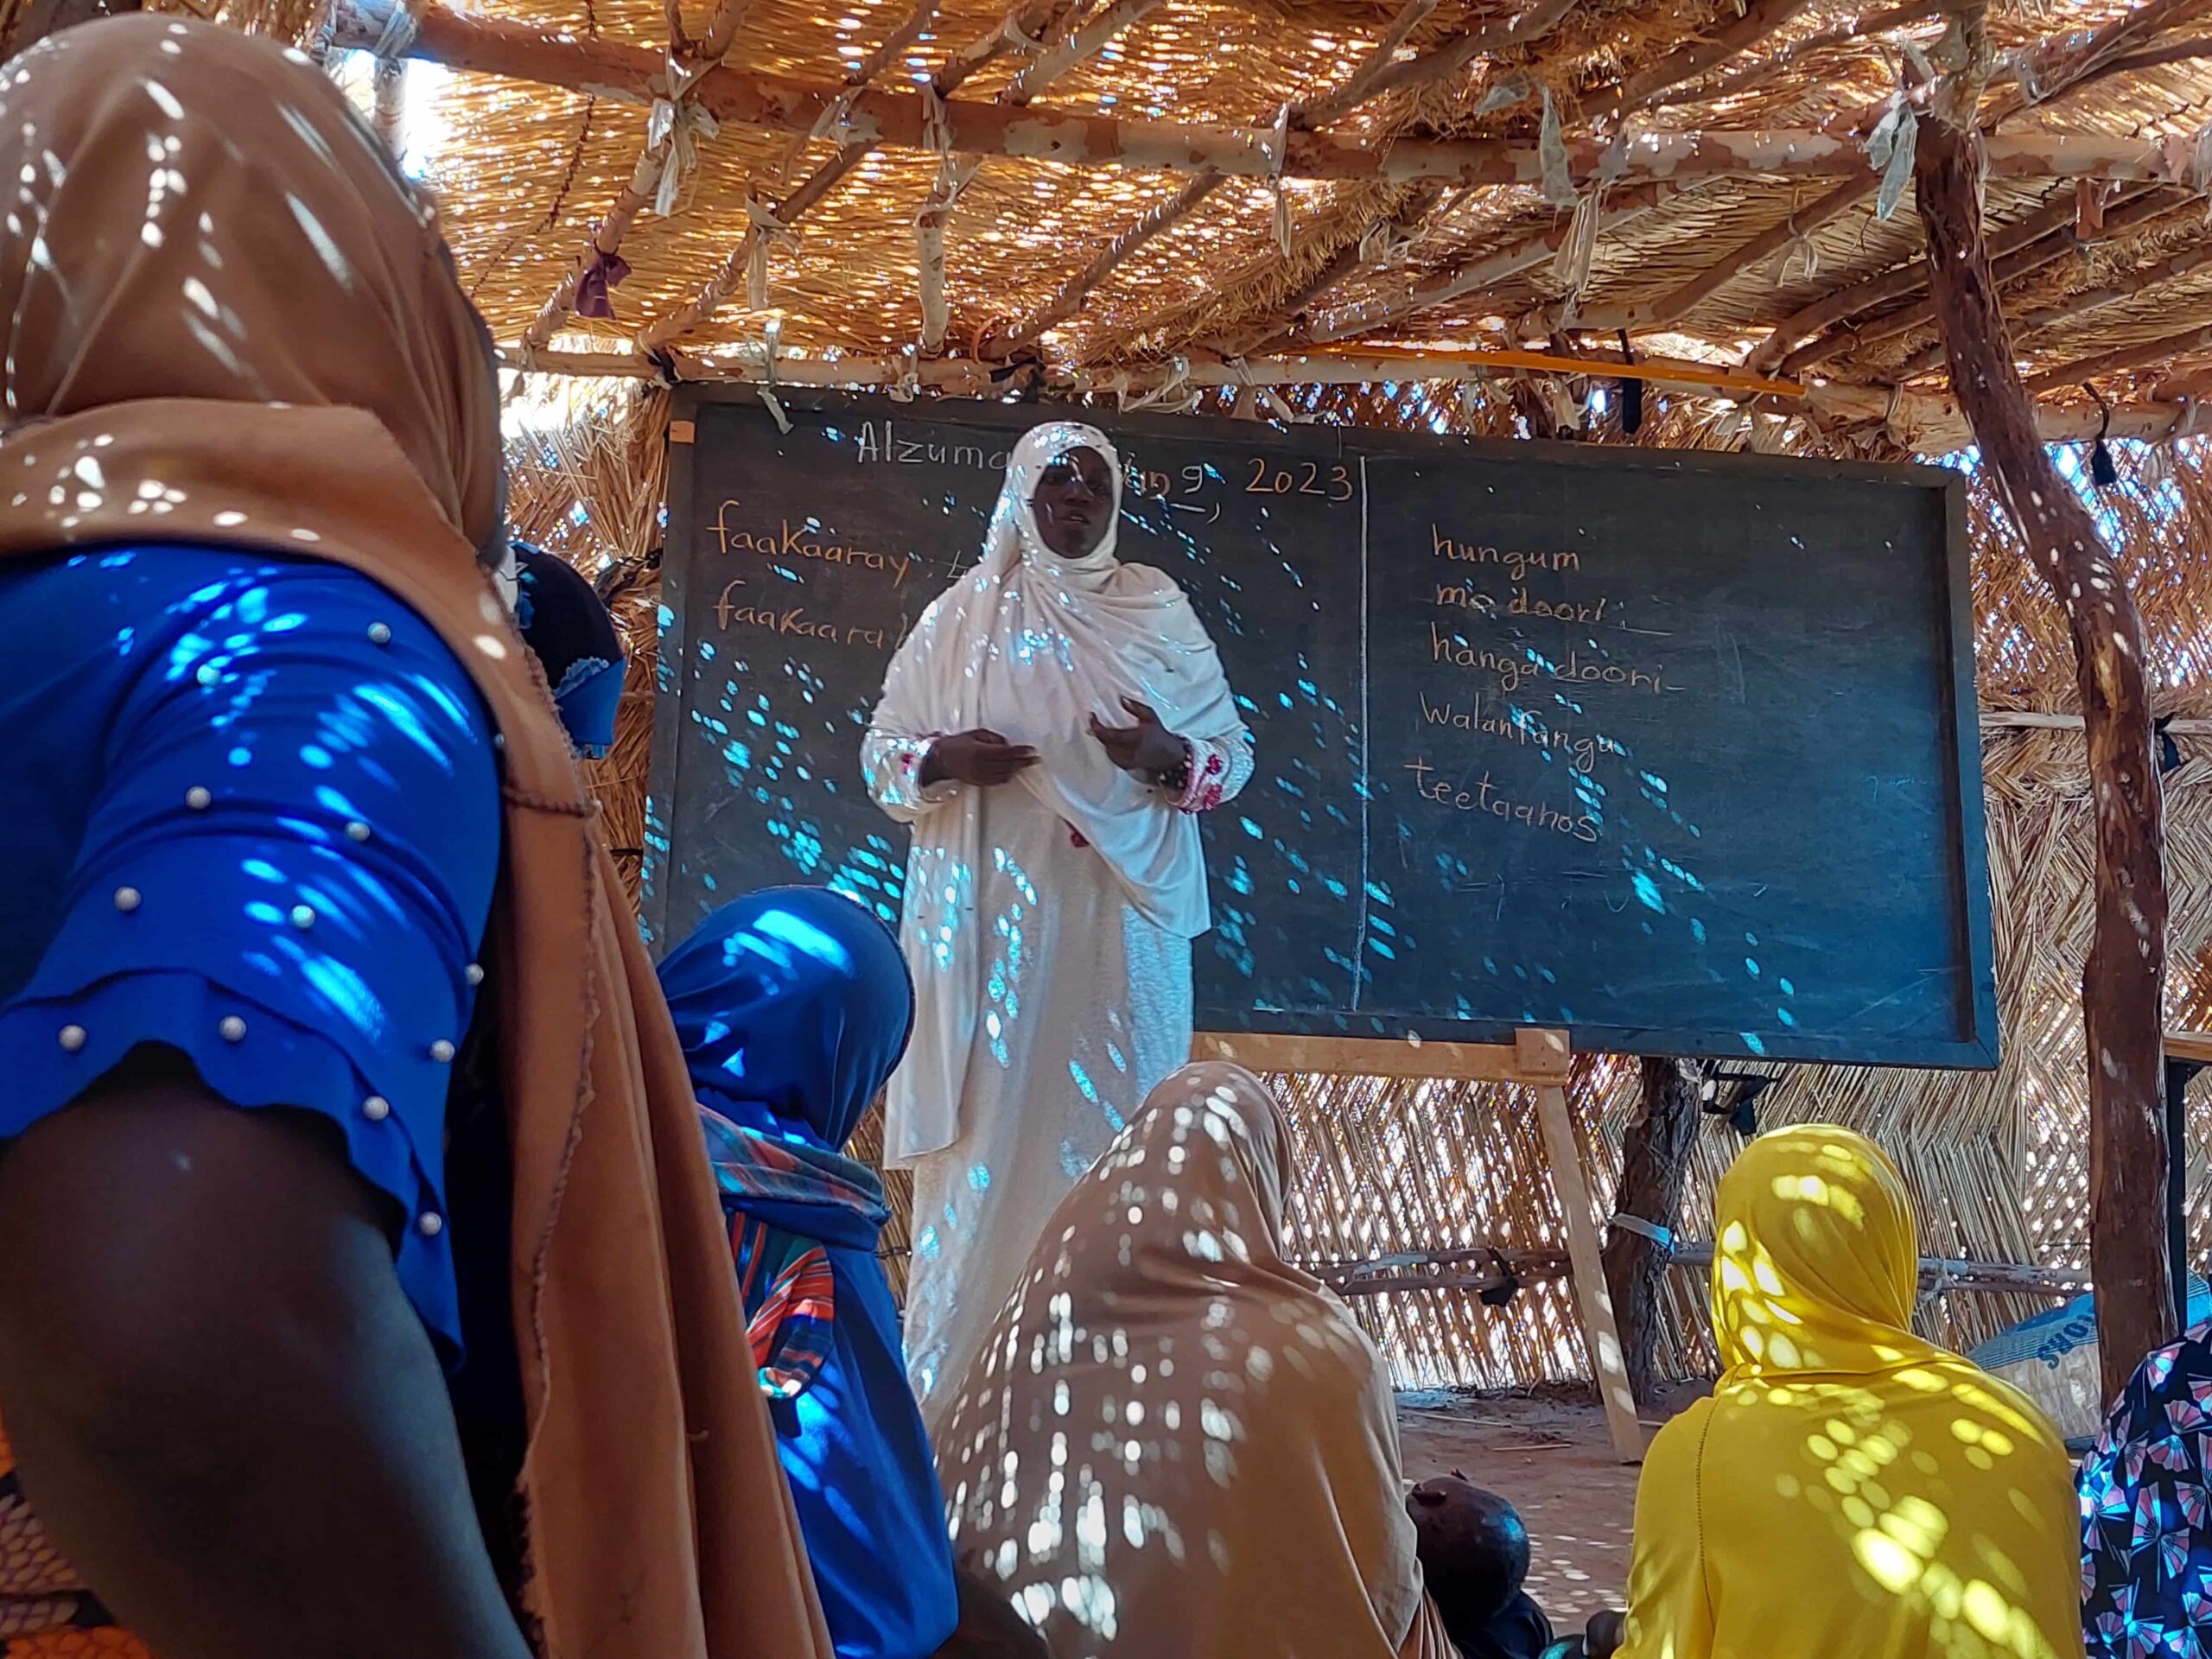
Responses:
[1696,90]
[2077,306]
[1351,256]
[603,246]
[2137,208]
[1647,88]
[1028,20]
[1382,73]
[1760,20]
[2055,64]
[1625,208]
[2046,318]
[1678,303]
[1442,63]
[802,200]
[2150,353]
[1080,45]
[1897,282]
[1928,422]
[612,69]
[1757,24]
[1163,216]
[1359,86]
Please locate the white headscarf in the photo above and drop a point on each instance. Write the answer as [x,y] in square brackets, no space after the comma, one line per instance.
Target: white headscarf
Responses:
[1031,645]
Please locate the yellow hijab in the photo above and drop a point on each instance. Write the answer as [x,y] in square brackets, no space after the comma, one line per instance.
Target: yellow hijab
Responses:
[1849,1489]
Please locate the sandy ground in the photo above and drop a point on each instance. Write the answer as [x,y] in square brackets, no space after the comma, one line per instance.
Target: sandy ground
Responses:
[1552,1458]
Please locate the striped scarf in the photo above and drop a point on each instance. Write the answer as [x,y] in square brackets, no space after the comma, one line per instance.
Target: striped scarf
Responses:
[784,1201]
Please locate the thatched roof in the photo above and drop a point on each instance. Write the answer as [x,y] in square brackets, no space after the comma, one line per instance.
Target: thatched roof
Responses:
[1741,193]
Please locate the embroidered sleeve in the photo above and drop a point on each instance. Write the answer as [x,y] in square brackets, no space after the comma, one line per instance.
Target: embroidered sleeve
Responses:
[892,768]
[1219,770]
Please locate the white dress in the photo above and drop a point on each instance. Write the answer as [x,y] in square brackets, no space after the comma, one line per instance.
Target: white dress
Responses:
[1086,1007]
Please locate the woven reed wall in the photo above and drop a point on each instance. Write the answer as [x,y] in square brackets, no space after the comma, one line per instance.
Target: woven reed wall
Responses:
[1996,1162]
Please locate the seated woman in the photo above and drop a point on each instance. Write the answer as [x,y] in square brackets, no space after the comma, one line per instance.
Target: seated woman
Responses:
[793,1006]
[1173,1441]
[310,980]
[569,630]
[2146,1521]
[1848,1489]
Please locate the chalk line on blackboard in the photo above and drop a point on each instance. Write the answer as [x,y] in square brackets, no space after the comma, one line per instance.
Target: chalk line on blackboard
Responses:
[1366,771]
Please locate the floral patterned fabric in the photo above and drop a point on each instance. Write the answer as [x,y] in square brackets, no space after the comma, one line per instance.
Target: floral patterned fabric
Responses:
[2146,1552]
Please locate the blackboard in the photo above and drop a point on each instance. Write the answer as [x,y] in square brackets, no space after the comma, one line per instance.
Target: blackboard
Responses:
[1675,750]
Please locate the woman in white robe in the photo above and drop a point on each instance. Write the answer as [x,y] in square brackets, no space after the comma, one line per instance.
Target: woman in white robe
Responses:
[1055,880]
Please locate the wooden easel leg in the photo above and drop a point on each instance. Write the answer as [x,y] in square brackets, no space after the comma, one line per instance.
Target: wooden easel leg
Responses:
[1595,1303]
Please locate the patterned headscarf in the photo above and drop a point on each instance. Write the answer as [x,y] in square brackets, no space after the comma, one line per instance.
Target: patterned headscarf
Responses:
[2146,1512]
[793,1005]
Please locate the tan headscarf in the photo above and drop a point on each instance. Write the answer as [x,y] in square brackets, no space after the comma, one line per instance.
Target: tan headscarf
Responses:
[230,319]
[1174,1441]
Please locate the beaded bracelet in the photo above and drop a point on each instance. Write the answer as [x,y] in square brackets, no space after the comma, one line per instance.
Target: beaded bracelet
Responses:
[1176,780]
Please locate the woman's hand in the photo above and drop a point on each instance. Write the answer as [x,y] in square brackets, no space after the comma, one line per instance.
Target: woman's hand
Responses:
[1147,748]
[980,758]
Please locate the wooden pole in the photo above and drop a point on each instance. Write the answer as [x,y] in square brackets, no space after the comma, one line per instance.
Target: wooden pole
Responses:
[1678,303]
[1165,215]
[899,120]
[391,91]
[1655,1162]
[1592,1298]
[1758,20]
[1858,30]
[1933,423]
[2124,982]
[2137,208]
[1622,209]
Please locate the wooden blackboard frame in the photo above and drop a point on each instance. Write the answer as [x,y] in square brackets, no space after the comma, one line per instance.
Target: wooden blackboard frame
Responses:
[1978,1050]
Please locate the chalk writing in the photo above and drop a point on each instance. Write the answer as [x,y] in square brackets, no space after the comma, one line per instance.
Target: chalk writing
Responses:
[1517,726]
[1466,596]
[879,444]
[1517,563]
[1175,490]
[1300,478]
[1515,669]
[790,619]
[1485,797]
[804,540]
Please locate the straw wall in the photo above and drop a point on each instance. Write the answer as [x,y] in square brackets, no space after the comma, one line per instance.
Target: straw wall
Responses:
[1996,1162]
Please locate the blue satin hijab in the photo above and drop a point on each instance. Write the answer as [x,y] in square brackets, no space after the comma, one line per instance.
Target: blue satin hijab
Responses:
[794,1006]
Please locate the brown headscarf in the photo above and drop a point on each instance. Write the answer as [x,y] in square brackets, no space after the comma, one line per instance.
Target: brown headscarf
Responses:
[230,319]
[1174,1441]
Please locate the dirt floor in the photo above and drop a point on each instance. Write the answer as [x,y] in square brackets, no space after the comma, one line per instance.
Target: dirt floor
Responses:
[1552,1458]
